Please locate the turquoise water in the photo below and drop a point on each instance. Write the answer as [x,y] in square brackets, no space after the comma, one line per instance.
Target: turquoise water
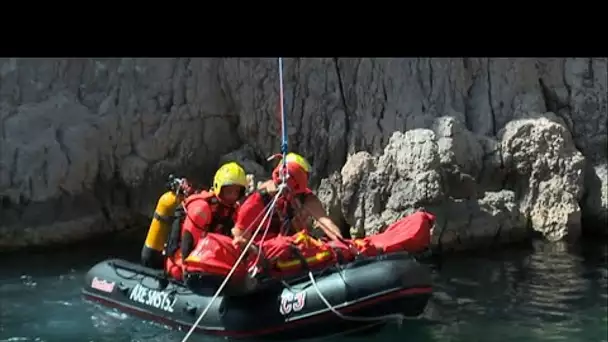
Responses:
[542,293]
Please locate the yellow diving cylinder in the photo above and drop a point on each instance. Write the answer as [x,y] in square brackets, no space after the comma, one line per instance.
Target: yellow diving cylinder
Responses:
[152,252]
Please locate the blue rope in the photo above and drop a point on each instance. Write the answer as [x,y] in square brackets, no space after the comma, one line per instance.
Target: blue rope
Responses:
[284,143]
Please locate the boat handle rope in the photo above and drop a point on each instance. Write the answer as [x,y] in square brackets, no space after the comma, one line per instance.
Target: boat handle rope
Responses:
[238,261]
[398,317]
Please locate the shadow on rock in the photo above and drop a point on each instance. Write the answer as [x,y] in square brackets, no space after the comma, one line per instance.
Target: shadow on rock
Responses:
[595,201]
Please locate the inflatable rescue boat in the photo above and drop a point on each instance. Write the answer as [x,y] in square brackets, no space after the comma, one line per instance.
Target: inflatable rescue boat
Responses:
[304,308]
[302,286]
[319,294]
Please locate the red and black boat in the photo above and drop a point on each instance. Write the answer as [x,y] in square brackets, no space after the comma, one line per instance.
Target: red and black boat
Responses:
[369,287]
[318,301]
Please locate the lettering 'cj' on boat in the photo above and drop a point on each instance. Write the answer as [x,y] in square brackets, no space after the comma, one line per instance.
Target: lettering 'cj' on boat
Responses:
[291,302]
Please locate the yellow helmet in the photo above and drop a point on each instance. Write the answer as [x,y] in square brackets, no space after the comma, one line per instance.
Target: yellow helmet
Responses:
[299,160]
[229,174]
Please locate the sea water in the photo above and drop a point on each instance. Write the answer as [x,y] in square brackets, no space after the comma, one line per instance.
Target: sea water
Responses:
[545,292]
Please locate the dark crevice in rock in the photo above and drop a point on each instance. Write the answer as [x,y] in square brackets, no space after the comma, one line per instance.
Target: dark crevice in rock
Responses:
[382,111]
[431,77]
[497,236]
[466,63]
[490,99]
[444,206]
[30,187]
[15,167]
[170,102]
[468,107]
[45,168]
[347,113]
[189,74]
[80,94]
[569,99]
[23,203]
[64,149]
[589,77]
[553,104]
[116,95]
[5,203]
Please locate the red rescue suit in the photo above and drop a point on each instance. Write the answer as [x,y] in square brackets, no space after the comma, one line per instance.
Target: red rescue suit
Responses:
[204,213]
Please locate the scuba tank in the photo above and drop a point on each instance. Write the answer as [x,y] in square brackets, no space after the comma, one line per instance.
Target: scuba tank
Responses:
[152,251]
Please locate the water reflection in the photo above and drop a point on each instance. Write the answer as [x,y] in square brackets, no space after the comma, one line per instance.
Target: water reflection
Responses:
[549,292]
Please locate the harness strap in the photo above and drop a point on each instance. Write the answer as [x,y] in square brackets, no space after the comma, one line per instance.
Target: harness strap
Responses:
[175,236]
[163,218]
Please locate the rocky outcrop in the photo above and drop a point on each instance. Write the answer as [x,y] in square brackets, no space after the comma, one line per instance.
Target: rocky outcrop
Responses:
[88,143]
[547,172]
[454,174]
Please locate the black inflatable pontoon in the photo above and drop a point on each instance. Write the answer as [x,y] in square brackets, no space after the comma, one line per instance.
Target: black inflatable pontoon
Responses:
[394,283]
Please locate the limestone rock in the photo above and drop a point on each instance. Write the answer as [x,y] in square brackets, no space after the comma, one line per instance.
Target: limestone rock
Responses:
[547,174]
[461,154]
[469,223]
[354,176]
[377,191]
[49,148]
[246,157]
[556,213]
[409,175]
[458,147]
[418,169]
[329,192]
[586,110]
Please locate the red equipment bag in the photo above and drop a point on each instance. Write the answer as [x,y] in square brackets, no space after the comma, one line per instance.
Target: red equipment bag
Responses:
[215,254]
[411,234]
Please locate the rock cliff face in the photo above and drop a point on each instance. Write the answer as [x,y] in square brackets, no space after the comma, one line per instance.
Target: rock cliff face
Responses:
[496,147]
